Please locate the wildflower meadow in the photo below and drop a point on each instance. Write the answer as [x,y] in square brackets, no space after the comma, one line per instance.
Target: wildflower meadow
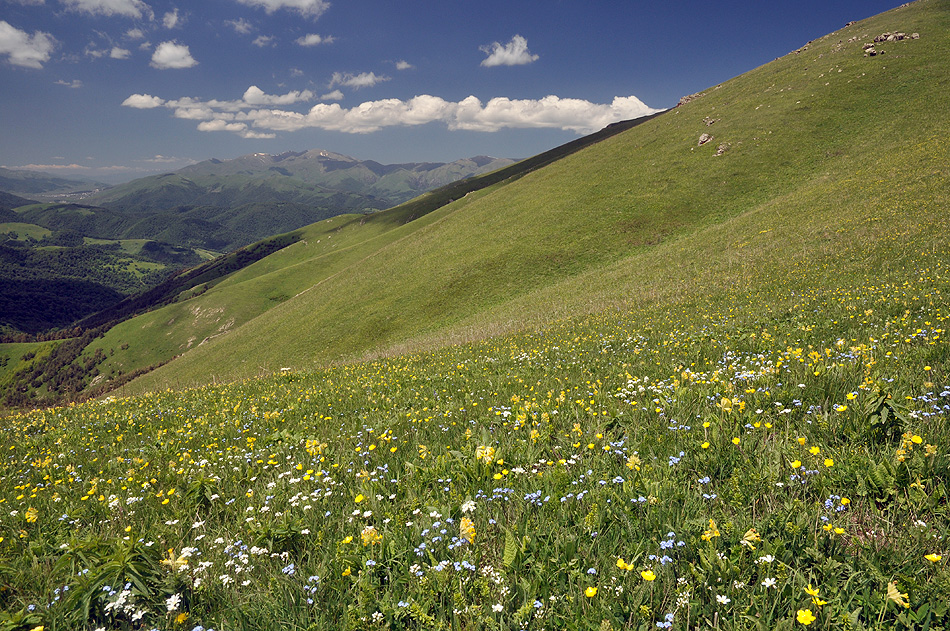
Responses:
[756,461]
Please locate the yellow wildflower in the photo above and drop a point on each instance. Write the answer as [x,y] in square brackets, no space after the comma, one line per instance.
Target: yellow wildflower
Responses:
[711,533]
[590,592]
[485,454]
[805,616]
[894,594]
[370,536]
[467,529]
[648,575]
[750,536]
[933,558]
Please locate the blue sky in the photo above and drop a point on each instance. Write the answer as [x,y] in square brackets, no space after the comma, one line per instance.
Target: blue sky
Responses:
[117,89]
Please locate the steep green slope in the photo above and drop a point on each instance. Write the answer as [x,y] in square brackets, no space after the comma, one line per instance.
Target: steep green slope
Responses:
[805,146]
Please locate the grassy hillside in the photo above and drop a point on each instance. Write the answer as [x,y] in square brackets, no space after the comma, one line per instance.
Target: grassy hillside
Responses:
[725,405]
[807,145]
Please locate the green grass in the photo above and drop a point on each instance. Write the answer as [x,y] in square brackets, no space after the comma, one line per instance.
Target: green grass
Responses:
[25,230]
[808,151]
[733,448]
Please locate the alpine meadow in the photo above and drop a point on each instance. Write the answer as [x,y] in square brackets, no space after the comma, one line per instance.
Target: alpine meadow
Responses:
[690,373]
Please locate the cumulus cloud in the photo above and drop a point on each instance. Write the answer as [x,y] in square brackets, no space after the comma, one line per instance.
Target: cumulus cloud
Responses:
[135,34]
[220,125]
[404,65]
[239,128]
[260,113]
[362,80]
[143,101]
[255,96]
[127,8]
[263,40]
[514,53]
[172,55]
[333,95]
[307,8]
[23,49]
[240,26]
[172,19]
[119,53]
[312,39]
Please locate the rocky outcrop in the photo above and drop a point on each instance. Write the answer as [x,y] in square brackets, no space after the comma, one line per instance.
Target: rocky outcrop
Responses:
[689,97]
[895,37]
[871,51]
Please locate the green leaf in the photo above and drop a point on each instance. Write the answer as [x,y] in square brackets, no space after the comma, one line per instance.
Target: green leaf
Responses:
[511,550]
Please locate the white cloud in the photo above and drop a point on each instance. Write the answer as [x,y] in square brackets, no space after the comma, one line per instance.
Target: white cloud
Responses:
[263,40]
[143,101]
[333,95]
[239,128]
[404,65]
[240,26]
[312,39]
[257,111]
[248,133]
[128,8]
[160,159]
[23,49]
[471,114]
[309,8]
[75,83]
[135,34]
[172,19]
[362,80]
[255,96]
[119,53]
[514,53]
[220,125]
[553,112]
[172,55]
